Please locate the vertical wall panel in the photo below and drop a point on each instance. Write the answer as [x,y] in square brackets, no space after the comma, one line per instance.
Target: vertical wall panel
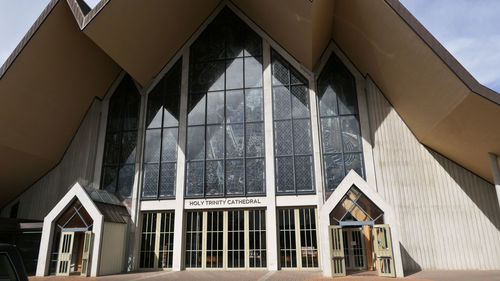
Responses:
[449,217]
[77,164]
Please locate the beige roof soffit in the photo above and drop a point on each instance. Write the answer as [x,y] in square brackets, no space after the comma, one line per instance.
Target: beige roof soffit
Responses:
[447,58]
[38,22]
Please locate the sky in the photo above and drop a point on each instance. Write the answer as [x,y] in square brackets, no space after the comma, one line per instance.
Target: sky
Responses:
[468,29]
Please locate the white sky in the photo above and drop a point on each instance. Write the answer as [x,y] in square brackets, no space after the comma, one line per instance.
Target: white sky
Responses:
[469,29]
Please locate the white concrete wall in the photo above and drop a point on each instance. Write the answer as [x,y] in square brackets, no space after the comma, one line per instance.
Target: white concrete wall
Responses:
[113,248]
[77,164]
[449,217]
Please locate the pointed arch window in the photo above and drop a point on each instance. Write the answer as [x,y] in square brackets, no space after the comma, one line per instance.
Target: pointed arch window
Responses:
[162,127]
[121,140]
[339,120]
[225,133]
[292,129]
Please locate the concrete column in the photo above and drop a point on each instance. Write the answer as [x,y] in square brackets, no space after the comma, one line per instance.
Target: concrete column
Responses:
[272,243]
[315,129]
[178,254]
[496,173]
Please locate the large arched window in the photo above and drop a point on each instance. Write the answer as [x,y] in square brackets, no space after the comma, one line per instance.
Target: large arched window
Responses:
[340,130]
[225,134]
[121,140]
[292,129]
[162,126]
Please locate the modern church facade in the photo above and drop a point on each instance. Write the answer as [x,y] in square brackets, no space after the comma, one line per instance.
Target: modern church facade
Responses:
[237,155]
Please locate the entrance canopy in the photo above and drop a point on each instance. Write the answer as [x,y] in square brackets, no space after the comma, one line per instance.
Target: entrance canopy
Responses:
[79,211]
[345,200]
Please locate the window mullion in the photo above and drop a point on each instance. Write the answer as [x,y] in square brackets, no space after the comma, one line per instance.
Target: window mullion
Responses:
[297,238]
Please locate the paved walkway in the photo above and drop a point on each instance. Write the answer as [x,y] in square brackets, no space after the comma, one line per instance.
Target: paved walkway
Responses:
[282,275]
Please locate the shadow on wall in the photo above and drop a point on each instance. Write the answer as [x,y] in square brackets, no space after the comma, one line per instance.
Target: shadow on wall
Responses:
[483,194]
[410,266]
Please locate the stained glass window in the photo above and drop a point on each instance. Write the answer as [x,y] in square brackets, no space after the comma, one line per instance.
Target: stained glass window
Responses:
[292,129]
[121,140]
[340,129]
[225,134]
[162,126]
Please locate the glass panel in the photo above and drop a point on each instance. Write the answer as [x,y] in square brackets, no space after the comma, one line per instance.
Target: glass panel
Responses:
[169,146]
[284,174]
[167,180]
[235,177]
[353,161]
[255,176]
[235,141]
[115,113]
[234,106]
[196,143]
[215,142]
[214,178]
[234,74]
[303,173]
[196,115]
[129,143]
[112,149]
[334,170]
[125,181]
[281,101]
[109,179]
[152,146]
[253,72]
[283,139]
[302,136]
[154,111]
[347,100]
[300,101]
[194,178]
[150,181]
[255,139]
[330,133]
[253,43]
[350,134]
[215,107]
[254,105]
[131,110]
[327,101]
[281,76]
[207,76]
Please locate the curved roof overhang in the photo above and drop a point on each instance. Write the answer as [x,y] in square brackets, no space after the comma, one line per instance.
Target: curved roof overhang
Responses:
[48,83]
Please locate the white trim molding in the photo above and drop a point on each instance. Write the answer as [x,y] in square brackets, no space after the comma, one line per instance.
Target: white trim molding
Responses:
[78,192]
[353,179]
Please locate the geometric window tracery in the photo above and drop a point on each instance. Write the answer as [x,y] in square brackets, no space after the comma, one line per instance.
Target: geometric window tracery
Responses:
[356,207]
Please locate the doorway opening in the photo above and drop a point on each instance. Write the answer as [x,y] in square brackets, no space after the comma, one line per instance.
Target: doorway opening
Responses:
[71,244]
[359,239]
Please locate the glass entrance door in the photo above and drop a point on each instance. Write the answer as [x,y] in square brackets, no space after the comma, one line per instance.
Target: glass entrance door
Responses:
[226,239]
[354,248]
